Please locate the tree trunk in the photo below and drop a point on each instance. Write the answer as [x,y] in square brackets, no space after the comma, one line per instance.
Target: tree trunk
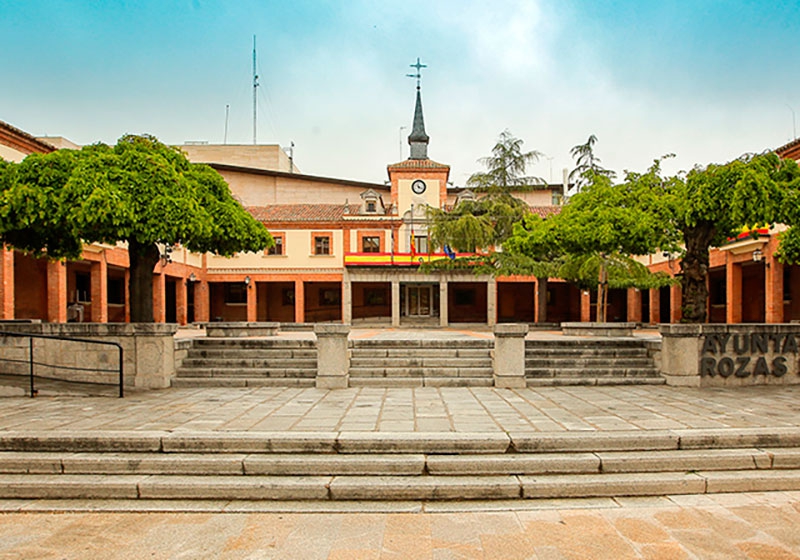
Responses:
[694,270]
[602,294]
[143,259]
[541,300]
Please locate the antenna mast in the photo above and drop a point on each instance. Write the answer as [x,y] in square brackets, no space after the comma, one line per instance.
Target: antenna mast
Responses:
[227,114]
[255,89]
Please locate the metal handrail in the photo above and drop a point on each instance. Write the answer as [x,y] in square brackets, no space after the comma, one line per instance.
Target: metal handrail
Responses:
[32,362]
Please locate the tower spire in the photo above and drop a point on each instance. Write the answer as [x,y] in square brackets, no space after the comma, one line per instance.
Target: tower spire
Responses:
[418,139]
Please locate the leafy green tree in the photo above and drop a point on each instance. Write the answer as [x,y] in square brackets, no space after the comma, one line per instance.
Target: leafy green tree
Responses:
[593,239]
[714,203]
[140,191]
[586,164]
[488,220]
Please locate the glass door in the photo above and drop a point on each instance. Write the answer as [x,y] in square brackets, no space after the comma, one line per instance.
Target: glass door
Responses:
[418,301]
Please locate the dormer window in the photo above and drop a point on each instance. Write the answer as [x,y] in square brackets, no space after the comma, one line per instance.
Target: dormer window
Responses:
[371,202]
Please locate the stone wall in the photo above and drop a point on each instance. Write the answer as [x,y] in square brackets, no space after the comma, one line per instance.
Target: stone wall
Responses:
[730,355]
[148,350]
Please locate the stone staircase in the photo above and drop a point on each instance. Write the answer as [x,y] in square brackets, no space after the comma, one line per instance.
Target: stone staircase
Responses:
[421,363]
[259,469]
[248,362]
[590,361]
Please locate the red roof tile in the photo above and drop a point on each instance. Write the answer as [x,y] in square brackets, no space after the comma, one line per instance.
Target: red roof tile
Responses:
[301,212]
[418,164]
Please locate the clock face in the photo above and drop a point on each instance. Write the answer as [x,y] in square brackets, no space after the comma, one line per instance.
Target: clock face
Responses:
[418,186]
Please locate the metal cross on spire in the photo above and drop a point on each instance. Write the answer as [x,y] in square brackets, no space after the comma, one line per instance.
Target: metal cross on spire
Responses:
[418,75]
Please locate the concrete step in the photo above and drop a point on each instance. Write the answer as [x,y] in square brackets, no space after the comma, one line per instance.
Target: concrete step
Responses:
[278,363]
[427,343]
[429,487]
[466,371]
[449,353]
[426,381]
[252,353]
[585,352]
[252,372]
[570,361]
[561,381]
[588,343]
[263,343]
[598,372]
[187,382]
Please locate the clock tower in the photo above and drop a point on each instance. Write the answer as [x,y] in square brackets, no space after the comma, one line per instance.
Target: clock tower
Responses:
[418,181]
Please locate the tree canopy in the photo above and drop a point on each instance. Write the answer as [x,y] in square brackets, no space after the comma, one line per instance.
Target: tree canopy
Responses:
[139,191]
[586,164]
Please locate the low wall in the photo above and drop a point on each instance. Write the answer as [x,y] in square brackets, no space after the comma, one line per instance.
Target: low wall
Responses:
[148,350]
[730,355]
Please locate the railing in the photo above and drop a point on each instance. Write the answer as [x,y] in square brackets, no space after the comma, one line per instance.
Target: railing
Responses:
[32,363]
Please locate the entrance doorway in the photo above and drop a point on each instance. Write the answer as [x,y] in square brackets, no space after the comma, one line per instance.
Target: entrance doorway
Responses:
[418,300]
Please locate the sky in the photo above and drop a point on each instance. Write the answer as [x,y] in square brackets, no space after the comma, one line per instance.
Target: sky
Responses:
[704,80]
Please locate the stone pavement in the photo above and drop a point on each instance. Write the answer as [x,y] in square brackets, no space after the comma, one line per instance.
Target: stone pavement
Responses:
[724,526]
[545,409]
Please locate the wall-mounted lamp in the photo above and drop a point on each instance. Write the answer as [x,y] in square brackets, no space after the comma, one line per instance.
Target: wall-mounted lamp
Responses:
[191,279]
[166,256]
[758,255]
[247,281]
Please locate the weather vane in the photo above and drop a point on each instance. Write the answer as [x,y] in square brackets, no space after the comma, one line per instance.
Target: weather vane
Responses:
[418,75]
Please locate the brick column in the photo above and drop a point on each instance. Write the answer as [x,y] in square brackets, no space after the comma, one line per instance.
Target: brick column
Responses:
[395,303]
[99,287]
[540,299]
[634,305]
[57,291]
[586,307]
[733,292]
[655,306]
[299,302]
[675,304]
[202,302]
[6,283]
[491,302]
[773,278]
[252,302]
[444,304]
[159,295]
[181,301]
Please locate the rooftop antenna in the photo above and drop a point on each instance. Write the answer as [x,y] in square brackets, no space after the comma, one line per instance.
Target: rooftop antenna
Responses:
[227,114]
[255,89]
[291,157]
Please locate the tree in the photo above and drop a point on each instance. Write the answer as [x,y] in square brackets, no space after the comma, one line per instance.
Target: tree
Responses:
[714,203]
[140,191]
[585,163]
[593,239]
[479,223]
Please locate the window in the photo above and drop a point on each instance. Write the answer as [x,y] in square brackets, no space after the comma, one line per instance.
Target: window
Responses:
[322,245]
[371,206]
[116,291]
[329,297]
[277,249]
[370,244]
[83,287]
[235,293]
[421,243]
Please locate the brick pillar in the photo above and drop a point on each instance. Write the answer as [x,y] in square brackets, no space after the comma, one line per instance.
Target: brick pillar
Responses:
[540,299]
[444,309]
[57,291]
[675,304]
[159,298]
[99,287]
[491,302]
[634,305]
[395,303]
[181,301]
[299,302]
[773,278]
[586,307]
[655,306]
[252,302]
[127,295]
[6,283]
[202,302]
[733,292]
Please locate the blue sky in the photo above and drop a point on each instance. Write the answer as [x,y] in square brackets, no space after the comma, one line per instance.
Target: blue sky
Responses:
[705,80]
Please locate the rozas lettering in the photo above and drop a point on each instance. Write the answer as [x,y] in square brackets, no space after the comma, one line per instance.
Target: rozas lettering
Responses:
[747,354]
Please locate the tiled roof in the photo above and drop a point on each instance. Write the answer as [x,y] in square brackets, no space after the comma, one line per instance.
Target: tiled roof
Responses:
[301,212]
[790,150]
[418,164]
[545,211]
